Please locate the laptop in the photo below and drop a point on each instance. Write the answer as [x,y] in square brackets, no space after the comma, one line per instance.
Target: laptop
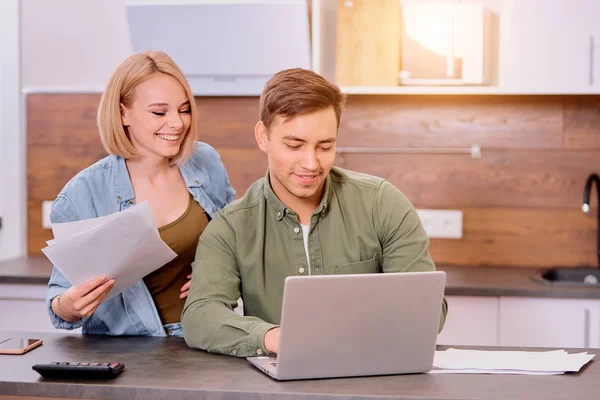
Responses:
[357,325]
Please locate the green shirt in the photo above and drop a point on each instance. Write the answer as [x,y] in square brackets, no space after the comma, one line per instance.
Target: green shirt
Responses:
[362,225]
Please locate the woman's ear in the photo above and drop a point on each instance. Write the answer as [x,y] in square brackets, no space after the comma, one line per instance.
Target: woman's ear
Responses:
[124,115]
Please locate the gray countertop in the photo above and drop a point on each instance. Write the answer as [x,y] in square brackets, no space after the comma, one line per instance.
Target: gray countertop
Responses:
[461,281]
[165,368]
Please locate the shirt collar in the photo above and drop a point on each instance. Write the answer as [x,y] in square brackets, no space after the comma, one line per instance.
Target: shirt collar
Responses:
[280,209]
[124,189]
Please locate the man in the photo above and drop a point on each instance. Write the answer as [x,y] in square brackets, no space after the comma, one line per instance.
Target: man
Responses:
[305,217]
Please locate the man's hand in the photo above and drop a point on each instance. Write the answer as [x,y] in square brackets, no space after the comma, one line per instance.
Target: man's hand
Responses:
[185,289]
[271,341]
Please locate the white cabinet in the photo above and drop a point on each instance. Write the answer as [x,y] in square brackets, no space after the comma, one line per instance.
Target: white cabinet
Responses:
[471,320]
[23,308]
[548,47]
[543,322]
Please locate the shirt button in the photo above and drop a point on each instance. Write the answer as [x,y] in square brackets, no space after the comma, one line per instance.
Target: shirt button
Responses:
[118,198]
[131,201]
[296,230]
[258,351]
[196,182]
[301,270]
[234,352]
[278,214]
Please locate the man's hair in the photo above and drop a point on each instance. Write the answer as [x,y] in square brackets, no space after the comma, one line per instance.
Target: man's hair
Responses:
[136,69]
[293,92]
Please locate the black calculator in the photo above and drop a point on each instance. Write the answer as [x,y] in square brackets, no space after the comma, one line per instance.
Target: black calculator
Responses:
[82,370]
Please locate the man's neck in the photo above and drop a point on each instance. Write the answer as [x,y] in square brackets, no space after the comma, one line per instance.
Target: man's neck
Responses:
[303,207]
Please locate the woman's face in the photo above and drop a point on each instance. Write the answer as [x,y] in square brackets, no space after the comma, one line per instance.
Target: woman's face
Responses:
[159,117]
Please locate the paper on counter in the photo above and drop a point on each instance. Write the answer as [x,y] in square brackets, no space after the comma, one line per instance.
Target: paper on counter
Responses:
[509,362]
[124,246]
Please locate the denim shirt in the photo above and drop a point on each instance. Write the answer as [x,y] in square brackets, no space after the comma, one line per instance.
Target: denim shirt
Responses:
[105,188]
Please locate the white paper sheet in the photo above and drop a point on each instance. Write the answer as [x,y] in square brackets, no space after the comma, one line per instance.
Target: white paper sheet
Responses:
[124,246]
[508,362]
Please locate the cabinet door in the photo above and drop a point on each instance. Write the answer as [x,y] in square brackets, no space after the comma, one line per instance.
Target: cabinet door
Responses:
[23,308]
[547,46]
[536,322]
[471,320]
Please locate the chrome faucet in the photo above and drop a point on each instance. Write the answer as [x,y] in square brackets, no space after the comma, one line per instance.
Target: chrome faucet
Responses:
[586,206]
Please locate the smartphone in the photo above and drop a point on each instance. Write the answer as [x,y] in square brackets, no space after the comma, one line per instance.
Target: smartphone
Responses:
[18,345]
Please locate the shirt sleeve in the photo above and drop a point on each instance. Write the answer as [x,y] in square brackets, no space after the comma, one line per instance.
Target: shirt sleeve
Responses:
[208,320]
[62,211]
[403,239]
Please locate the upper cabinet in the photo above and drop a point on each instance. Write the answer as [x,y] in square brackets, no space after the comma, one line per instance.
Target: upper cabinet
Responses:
[470,47]
[550,47]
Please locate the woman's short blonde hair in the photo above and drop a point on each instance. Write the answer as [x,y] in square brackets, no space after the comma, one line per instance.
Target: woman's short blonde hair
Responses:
[136,69]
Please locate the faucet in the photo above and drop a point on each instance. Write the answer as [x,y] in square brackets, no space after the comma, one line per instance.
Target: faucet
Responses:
[586,206]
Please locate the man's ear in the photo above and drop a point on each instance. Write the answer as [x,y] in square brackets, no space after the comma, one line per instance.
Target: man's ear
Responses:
[262,136]
[124,115]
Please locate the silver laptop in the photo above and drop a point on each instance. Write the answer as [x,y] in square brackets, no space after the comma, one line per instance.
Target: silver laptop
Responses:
[357,325]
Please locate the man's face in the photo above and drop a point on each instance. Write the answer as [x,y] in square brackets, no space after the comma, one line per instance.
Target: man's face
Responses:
[301,153]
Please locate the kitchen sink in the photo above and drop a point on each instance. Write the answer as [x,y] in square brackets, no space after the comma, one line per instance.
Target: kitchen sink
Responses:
[584,277]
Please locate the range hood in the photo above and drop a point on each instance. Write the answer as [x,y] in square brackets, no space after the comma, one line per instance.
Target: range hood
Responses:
[224,47]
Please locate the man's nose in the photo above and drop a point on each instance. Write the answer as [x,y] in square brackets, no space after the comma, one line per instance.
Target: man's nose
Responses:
[310,161]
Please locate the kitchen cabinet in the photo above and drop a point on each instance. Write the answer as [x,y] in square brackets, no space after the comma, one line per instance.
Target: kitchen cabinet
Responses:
[549,47]
[23,308]
[545,322]
[535,47]
[471,320]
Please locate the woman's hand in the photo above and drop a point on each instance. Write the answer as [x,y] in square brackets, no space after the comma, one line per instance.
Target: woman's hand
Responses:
[82,300]
[185,289]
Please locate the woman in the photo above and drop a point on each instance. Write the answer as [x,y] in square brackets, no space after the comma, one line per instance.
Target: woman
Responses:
[146,120]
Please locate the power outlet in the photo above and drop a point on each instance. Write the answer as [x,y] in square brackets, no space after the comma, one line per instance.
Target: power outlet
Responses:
[46,206]
[442,224]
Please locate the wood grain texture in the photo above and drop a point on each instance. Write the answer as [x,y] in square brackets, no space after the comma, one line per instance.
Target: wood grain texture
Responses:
[544,179]
[368,43]
[582,123]
[521,201]
[506,122]
[521,237]
[67,119]
[227,121]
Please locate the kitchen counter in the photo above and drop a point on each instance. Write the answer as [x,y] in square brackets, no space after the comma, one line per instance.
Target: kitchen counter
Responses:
[461,281]
[32,269]
[165,368]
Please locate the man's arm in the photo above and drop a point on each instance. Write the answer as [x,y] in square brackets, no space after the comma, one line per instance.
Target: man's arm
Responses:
[208,320]
[403,239]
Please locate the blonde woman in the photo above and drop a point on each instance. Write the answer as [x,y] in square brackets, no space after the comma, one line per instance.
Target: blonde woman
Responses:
[147,123]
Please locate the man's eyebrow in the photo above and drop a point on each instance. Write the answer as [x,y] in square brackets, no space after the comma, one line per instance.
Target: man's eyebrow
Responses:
[297,139]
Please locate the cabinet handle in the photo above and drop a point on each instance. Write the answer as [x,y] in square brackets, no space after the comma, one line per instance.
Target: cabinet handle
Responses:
[592,44]
[586,328]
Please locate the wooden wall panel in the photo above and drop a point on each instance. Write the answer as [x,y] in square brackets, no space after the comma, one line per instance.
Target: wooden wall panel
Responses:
[499,179]
[521,201]
[67,119]
[520,237]
[582,123]
[509,122]
[227,121]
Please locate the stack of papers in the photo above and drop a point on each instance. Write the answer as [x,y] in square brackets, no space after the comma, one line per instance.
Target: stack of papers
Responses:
[454,361]
[124,246]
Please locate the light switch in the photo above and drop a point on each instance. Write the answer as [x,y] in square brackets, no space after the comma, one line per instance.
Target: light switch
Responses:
[46,205]
[442,224]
